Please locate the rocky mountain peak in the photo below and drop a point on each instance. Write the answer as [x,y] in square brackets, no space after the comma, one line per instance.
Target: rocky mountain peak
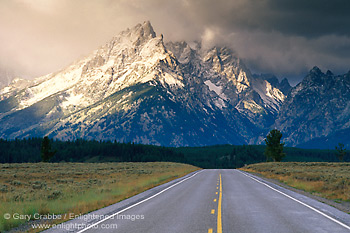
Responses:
[181,50]
[317,107]
[285,86]
[316,71]
[137,88]
[322,81]
[138,35]
[285,82]
[148,28]
[273,80]
[315,77]
[144,30]
[329,73]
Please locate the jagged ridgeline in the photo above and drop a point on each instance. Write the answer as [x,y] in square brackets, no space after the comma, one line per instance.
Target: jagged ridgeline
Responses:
[137,88]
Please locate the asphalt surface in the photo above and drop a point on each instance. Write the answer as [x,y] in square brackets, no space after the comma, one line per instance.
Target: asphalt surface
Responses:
[213,201]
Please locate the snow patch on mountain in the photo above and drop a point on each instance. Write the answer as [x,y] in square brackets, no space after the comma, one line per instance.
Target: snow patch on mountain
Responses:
[216,89]
[16,85]
[73,100]
[271,96]
[252,106]
[220,103]
[172,79]
[54,84]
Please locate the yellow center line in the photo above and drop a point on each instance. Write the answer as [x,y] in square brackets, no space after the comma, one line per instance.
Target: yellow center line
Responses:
[219,209]
[210,230]
[214,200]
[216,193]
[212,211]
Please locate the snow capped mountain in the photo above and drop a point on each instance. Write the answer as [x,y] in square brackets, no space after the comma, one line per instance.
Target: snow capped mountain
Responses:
[126,60]
[138,88]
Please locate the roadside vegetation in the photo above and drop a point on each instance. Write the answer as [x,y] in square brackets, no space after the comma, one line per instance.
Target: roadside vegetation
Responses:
[81,175]
[57,188]
[328,180]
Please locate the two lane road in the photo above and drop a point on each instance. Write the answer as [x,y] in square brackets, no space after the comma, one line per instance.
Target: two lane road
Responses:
[213,201]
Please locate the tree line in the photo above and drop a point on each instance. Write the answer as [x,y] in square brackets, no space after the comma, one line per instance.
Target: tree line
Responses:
[219,156]
[80,150]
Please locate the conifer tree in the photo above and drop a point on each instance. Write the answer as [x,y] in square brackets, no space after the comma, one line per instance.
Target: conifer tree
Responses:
[46,152]
[341,152]
[274,147]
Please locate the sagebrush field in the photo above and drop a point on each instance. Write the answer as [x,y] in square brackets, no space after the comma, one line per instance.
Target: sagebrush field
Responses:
[56,188]
[328,180]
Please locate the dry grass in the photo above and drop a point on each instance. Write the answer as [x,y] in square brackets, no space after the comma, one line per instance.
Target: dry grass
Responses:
[49,188]
[328,180]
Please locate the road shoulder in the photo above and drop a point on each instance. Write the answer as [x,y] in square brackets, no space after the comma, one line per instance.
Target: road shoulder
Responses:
[331,208]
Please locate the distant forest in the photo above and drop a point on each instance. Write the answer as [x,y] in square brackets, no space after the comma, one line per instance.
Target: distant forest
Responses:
[220,156]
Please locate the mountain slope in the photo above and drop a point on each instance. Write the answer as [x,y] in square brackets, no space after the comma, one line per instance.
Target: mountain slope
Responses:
[230,83]
[316,109]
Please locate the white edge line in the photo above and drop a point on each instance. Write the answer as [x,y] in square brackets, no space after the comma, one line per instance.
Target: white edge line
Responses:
[304,204]
[138,203]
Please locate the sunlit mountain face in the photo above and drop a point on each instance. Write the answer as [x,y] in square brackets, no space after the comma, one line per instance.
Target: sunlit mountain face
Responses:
[138,88]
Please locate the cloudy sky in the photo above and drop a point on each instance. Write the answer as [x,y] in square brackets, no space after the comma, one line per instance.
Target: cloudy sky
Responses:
[284,37]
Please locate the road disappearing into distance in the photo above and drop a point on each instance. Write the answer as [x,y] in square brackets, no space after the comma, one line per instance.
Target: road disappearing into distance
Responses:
[213,201]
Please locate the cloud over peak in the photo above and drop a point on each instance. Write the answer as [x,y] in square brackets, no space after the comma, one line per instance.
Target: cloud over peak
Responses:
[283,37]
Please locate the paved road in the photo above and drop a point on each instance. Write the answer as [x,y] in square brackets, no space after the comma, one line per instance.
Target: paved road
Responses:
[214,201]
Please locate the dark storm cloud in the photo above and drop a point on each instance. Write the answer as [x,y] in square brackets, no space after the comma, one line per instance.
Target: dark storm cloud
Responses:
[312,17]
[285,37]
[290,17]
